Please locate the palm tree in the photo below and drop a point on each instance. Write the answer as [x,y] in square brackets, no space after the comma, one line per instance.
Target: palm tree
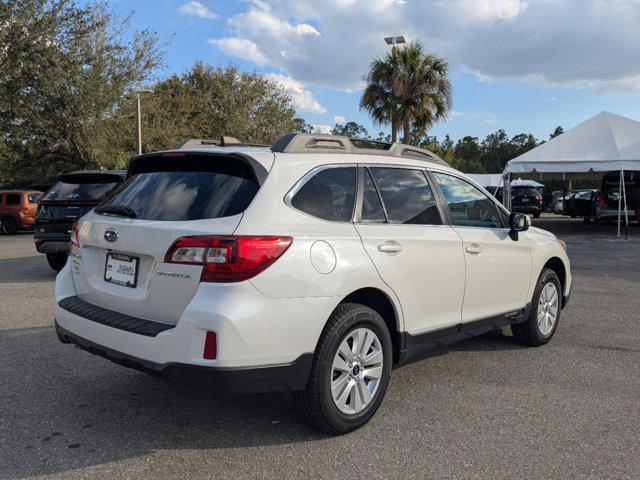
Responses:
[408,86]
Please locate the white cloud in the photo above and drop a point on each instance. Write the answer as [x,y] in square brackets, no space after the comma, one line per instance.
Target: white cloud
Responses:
[241,48]
[339,119]
[580,43]
[302,99]
[197,9]
[322,129]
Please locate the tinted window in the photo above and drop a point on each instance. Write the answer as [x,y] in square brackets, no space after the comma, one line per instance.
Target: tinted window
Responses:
[330,194]
[371,207]
[185,195]
[469,206]
[12,199]
[79,191]
[407,196]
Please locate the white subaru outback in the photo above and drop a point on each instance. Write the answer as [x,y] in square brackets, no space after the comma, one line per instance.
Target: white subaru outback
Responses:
[314,266]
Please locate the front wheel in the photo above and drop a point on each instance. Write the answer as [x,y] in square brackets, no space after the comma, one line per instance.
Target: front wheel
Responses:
[350,370]
[57,260]
[545,311]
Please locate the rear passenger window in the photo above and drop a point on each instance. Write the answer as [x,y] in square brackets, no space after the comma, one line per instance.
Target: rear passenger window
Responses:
[330,194]
[407,196]
[12,199]
[371,207]
[469,206]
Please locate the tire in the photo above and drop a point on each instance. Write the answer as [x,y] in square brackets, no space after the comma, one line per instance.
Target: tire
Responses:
[57,260]
[9,226]
[532,332]
[316,402]
[536,214]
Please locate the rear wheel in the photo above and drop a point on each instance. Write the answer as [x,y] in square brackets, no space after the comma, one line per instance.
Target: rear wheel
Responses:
[9,226]
[57,260]
[545,311]
[350,371]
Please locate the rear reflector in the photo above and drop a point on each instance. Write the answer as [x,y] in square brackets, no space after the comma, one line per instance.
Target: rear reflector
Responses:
[228,258]
[210,346]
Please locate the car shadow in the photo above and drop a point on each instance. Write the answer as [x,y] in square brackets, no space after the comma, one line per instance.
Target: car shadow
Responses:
[31,269]
[91,411]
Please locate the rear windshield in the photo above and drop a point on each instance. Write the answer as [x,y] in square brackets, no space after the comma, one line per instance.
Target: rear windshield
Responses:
[207,189]
[76,190]
[524,191]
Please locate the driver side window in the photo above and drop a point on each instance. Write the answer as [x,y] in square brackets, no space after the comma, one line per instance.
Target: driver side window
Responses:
[469,206]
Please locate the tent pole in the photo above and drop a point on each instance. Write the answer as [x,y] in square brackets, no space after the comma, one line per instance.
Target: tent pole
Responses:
[506,192]
[626,210]
[620,200]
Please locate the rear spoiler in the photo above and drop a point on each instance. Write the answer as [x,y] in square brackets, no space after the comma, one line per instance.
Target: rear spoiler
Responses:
[172,160]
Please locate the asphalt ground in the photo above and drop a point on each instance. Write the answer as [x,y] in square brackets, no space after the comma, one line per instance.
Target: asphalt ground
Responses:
[484,408]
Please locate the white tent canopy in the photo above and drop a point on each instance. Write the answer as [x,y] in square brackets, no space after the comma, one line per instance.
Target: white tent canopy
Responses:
[604,143]
[497,180]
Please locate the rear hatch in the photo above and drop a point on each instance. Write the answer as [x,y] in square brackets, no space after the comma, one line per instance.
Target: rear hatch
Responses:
[124,240]
[70,198]
[525,196]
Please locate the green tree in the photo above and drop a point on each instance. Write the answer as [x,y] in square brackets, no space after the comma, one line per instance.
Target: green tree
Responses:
[205,102]
[408,87]
[556,132]
[350,129]
[65,69]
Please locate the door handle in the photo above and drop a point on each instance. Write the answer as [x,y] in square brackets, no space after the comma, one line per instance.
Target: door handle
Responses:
[473,249]
[390,247]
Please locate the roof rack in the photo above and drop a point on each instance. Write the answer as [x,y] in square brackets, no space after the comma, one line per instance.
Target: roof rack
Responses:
[225,141]
[319,143]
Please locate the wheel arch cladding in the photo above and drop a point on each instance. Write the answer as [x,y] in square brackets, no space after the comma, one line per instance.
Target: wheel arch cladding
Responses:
[380,302]
[557,265]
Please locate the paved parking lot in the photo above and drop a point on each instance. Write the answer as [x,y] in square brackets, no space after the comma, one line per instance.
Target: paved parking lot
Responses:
[484,408]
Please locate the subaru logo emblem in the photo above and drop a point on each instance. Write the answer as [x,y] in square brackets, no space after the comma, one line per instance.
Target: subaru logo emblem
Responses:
[110,235]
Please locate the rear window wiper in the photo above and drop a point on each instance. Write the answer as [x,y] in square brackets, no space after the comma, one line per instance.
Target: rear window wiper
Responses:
[115,209]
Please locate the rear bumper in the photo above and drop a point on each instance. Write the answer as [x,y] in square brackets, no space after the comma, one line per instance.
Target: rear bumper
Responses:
[237,380]
[51,242]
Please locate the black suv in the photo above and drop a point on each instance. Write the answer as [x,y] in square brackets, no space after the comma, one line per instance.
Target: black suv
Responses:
[73,195]
[524,200]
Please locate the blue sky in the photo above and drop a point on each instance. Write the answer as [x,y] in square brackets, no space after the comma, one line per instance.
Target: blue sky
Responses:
[520,65]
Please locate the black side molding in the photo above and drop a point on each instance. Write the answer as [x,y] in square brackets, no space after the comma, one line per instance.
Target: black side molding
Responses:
[414,345]
[113,319]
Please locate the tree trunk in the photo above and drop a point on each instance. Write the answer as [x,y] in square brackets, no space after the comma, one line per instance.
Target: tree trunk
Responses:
[394,132]
[407,132]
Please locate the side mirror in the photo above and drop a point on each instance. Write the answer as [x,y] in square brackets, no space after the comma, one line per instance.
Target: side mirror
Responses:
[518,222]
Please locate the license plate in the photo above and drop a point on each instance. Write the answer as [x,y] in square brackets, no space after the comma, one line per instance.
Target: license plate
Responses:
[121,269]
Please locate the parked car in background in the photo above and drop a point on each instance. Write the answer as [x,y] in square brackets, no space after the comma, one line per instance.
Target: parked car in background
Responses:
[605,202]
[72,196]
[557,202]
[314,266]
[580,204]
[523,200]
[18,210]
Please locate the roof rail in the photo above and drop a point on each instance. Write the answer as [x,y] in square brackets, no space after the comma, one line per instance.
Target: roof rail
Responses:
[319,143]
[225,141]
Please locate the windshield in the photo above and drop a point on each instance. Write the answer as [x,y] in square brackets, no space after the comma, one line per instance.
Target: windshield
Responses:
[63,190]
[186,195]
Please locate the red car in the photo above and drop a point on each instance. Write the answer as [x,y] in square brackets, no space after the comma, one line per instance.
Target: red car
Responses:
[18,210]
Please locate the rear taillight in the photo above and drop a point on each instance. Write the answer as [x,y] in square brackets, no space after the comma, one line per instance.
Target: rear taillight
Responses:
[228,258]
[538,197]
[73,238]
[601,202]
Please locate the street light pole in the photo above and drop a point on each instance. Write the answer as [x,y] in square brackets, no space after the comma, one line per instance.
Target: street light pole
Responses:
[139,117]
[139,125]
